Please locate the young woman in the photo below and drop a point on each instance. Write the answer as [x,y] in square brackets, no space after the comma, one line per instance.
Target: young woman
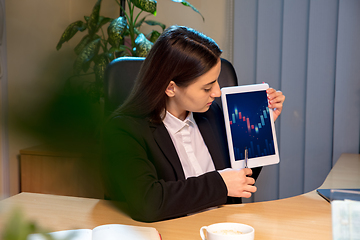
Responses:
[165,148]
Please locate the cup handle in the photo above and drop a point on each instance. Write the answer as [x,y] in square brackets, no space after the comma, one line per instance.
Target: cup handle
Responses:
[202,235]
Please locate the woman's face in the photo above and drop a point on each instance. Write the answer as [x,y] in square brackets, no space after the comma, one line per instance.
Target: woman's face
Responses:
[197,97]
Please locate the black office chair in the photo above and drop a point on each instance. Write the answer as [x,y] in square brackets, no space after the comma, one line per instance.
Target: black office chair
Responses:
[121,73]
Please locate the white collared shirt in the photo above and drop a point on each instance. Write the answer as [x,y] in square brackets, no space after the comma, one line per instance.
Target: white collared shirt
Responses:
[189,144]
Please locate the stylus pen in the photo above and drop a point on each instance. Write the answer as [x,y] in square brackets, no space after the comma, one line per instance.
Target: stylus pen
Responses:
[246,158]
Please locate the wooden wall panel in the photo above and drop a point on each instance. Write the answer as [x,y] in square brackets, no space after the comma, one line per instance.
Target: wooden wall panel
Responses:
[52,172]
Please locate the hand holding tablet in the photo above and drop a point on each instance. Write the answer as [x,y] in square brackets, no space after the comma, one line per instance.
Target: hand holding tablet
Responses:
[249,126]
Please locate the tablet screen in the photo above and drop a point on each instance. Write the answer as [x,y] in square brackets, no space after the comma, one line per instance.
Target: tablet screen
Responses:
[250,124]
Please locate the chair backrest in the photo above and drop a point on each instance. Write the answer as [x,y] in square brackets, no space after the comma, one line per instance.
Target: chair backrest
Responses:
[121,73]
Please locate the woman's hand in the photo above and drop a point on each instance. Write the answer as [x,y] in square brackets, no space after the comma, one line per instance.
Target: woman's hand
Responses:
[238,182]
[276,100]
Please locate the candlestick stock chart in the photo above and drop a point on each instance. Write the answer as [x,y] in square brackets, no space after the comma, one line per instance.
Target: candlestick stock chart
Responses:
[250,124]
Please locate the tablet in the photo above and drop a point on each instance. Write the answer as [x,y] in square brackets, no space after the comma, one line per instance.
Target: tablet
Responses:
[249,125]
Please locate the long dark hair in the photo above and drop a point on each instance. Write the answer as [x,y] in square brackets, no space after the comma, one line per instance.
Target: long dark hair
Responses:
[181,54]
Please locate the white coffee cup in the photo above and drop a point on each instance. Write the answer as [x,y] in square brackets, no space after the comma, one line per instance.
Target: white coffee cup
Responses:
[227,231]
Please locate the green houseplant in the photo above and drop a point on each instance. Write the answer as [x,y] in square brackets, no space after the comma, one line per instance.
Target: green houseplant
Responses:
[17,227]
[123,38]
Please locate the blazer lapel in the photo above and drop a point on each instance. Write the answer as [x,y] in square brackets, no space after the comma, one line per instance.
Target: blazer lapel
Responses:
[210,140]
[166,145]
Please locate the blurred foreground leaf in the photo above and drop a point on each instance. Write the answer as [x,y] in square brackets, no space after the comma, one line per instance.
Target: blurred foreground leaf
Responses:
[19,228]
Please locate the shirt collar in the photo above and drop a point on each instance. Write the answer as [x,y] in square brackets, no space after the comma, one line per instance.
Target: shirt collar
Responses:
[174,125]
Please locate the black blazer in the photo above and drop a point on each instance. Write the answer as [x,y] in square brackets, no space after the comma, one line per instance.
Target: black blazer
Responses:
[142,167]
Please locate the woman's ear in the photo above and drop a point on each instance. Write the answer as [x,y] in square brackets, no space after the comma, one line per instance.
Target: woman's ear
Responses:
[170,90]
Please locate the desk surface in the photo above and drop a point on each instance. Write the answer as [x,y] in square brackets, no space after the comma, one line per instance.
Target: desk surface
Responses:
[307,216]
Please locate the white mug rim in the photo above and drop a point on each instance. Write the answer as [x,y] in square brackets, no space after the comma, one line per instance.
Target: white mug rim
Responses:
[208,228]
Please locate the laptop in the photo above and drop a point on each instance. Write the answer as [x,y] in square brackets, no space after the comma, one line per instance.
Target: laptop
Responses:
[339,194]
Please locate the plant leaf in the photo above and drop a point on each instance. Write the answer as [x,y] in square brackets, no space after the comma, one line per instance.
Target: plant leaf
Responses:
[154,35]
[84,41]
[94,18]
[146,5]
[119,49]
[155,23]
[70,31]
[136,31]
[116,31]
[187,4]
[127,32]
[140,22]
[83,60]
[18,227]
[104,20]
[142,45]
[99,68]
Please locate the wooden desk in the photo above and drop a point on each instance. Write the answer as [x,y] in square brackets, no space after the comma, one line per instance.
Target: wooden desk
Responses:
[307,216]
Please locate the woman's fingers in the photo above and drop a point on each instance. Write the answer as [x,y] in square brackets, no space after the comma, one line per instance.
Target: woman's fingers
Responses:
[276,100]
[238,182]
